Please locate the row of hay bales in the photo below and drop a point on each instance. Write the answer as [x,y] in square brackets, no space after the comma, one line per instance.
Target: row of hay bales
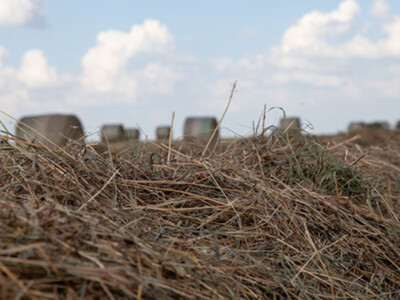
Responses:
[117,133]
[379,125]
[58,129]
[196,129]
[291,125]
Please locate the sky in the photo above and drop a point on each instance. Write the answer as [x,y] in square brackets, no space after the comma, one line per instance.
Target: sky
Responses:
[136,62]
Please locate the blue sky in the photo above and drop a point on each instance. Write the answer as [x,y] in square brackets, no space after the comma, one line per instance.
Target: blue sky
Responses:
[135,62]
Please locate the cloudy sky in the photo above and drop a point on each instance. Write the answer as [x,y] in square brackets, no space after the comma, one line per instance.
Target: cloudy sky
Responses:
[135,62]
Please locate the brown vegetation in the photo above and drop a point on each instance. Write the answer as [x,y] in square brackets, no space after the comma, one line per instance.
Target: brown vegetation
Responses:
[268,217]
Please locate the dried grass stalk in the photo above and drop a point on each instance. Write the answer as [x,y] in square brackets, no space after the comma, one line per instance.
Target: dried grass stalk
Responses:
[279,218]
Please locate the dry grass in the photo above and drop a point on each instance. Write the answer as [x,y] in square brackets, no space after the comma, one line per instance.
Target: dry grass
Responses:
[274,219]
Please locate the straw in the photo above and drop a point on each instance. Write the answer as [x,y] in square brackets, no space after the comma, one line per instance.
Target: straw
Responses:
[262,219]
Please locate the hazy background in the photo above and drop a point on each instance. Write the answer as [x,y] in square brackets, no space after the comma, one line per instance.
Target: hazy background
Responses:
[135,62]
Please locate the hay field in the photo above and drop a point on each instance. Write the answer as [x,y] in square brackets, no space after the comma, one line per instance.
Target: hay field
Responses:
[266,218]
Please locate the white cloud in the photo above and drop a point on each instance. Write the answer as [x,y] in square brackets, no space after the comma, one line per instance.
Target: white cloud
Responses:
[308,78]
[362,47]
[309,33]
[318,34]
[105,66]
[35,71]
[217,99]
[121,68]
[380,9]
[8,80]
[252,61]
[309,53]
[222,64]
[326,61]
[320,47]
[157,78]
[21,12]
[11,102]
[388,87]
[3,54]
[24,89]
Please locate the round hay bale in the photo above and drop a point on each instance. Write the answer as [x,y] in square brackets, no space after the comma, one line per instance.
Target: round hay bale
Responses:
[163,132]
[200,129]
[290,125]
[57,128]
[356,126]
[132,134]
[382,125]
[112,133]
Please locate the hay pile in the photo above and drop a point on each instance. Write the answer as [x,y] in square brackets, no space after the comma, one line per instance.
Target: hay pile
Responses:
[264,219]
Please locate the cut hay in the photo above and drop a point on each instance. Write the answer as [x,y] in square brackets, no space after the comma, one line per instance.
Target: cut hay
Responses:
[262,220]
[50,130]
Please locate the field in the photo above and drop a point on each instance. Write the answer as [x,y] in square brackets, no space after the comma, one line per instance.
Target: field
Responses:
[274,217]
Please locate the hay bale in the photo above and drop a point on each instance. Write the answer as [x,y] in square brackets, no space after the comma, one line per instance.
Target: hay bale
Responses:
[57,128]
[163,132]
[200,129]
[132,134]
[290,125]
[112,133]
[356,126]
[382,125]
[359,126]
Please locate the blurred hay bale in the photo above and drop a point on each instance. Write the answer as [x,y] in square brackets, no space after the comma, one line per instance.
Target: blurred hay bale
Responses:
[379,125]
[132,134]
[200,129]
[356,126]
[112,133]
[117,139]
[291,126]
[360,126]
[162,133]
[197,133]
[50,128]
